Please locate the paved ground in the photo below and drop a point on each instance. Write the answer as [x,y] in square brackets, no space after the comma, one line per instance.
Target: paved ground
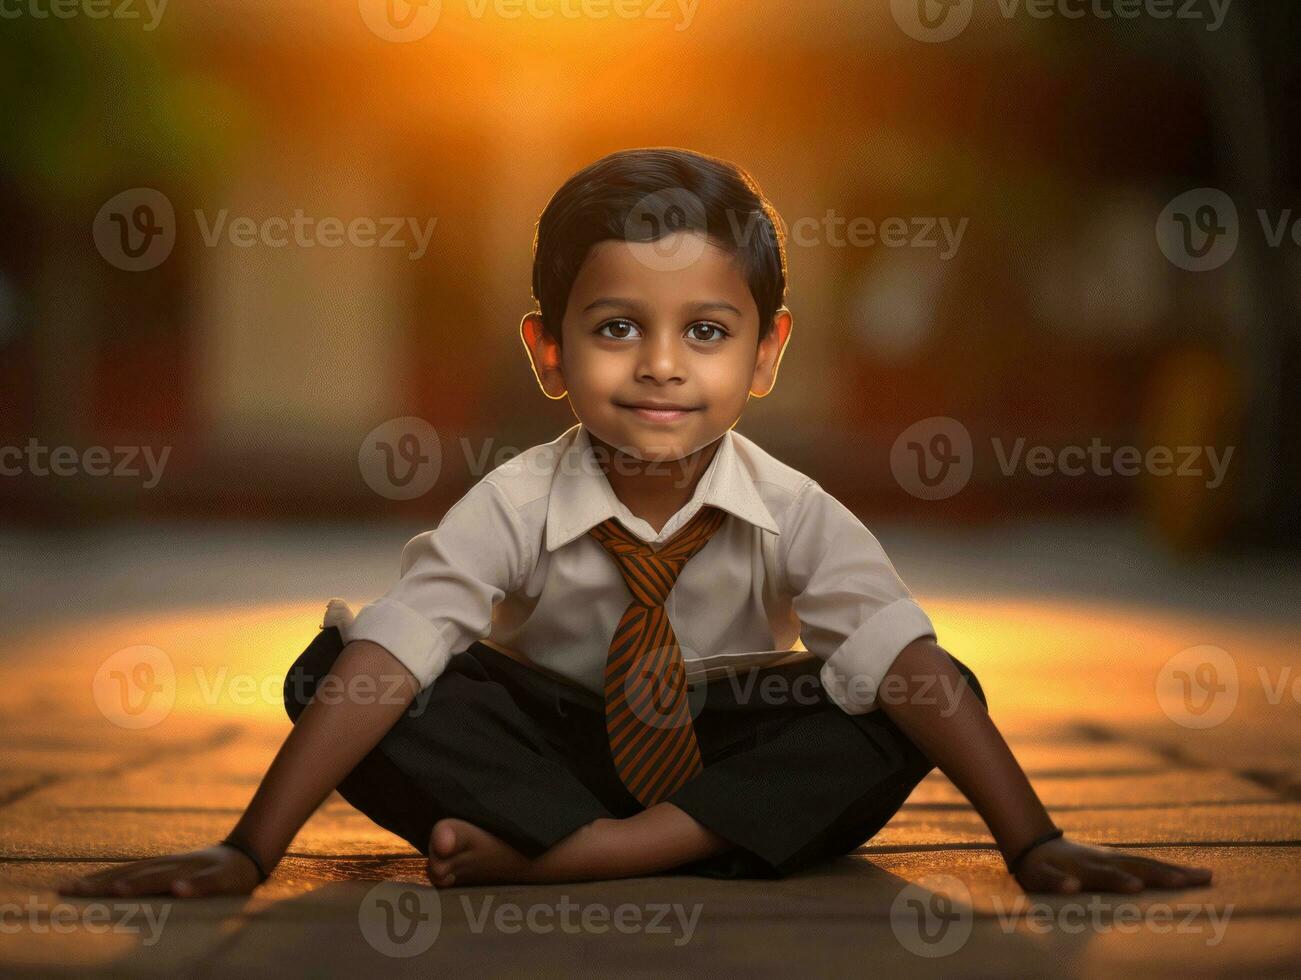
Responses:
[1162,716]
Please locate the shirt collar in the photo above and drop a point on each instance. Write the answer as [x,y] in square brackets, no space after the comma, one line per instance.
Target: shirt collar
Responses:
[581,496]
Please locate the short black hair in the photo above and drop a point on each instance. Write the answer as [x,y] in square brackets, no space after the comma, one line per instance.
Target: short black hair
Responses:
[643,195]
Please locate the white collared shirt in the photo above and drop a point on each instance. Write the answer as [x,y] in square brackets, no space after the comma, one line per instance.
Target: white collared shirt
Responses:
[793,574]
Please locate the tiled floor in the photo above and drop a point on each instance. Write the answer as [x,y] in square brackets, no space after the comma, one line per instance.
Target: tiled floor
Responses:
[1075,682]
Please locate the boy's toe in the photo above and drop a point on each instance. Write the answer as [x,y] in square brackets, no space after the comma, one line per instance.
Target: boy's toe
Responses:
[441,873]
[443,841]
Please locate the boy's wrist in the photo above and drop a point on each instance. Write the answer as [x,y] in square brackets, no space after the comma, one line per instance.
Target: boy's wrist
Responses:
[234,842]
[1015,856]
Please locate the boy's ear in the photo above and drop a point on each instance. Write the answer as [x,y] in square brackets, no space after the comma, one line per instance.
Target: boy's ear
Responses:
[770,353]
[544,354]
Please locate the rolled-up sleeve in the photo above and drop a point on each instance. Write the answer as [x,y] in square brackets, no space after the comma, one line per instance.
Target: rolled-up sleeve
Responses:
[451,579]
[855,612]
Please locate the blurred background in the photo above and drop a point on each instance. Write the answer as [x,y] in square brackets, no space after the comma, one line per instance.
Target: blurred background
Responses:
[1048,147]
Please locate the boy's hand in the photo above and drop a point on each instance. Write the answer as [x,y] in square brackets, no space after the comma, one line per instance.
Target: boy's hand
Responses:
[1064,867]
[211,871]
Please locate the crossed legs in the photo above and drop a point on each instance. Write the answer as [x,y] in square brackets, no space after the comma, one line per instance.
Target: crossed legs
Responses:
[481,777]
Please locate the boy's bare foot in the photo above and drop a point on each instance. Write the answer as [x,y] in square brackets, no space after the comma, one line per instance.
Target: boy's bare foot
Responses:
[462,854]
[648,842]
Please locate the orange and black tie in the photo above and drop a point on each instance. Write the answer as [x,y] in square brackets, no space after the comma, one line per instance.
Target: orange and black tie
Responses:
[647,717]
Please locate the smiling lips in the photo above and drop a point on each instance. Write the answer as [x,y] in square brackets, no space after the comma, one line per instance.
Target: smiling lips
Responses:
[659,413]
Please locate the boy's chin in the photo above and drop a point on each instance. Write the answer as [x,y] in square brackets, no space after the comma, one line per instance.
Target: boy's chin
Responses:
[650,452]
[653,451]
[661,454]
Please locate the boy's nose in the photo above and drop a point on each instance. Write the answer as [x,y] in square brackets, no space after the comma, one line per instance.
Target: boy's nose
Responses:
[661,359]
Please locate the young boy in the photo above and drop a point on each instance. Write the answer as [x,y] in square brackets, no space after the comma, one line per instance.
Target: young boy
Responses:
[520,706]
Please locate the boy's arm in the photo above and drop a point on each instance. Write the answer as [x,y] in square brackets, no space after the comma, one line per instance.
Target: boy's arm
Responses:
[961,739]
[856,613]
[452,578]
[334,732]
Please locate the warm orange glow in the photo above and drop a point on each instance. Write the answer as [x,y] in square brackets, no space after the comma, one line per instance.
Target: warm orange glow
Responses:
[1038,660]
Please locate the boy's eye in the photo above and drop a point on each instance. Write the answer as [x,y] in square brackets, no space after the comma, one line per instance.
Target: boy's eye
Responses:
[625,324]
[616,324]
[708,326]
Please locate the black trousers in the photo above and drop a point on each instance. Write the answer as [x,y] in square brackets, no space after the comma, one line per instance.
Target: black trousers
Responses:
[789,777]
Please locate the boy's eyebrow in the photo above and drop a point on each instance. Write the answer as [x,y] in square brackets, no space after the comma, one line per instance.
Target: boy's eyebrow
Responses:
[700,307]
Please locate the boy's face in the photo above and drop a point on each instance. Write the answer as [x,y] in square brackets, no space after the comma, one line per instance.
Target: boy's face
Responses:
[639,330]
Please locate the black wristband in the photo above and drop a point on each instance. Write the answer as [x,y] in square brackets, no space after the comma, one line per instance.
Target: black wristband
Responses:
[247,851]
[1015,863]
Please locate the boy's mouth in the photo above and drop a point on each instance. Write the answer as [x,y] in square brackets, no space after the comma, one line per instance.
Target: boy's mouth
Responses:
[658,411]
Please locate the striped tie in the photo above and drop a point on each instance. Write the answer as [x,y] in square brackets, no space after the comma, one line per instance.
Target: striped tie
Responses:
[652,740]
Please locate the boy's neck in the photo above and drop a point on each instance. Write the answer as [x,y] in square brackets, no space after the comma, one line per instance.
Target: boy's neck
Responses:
[654,490]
